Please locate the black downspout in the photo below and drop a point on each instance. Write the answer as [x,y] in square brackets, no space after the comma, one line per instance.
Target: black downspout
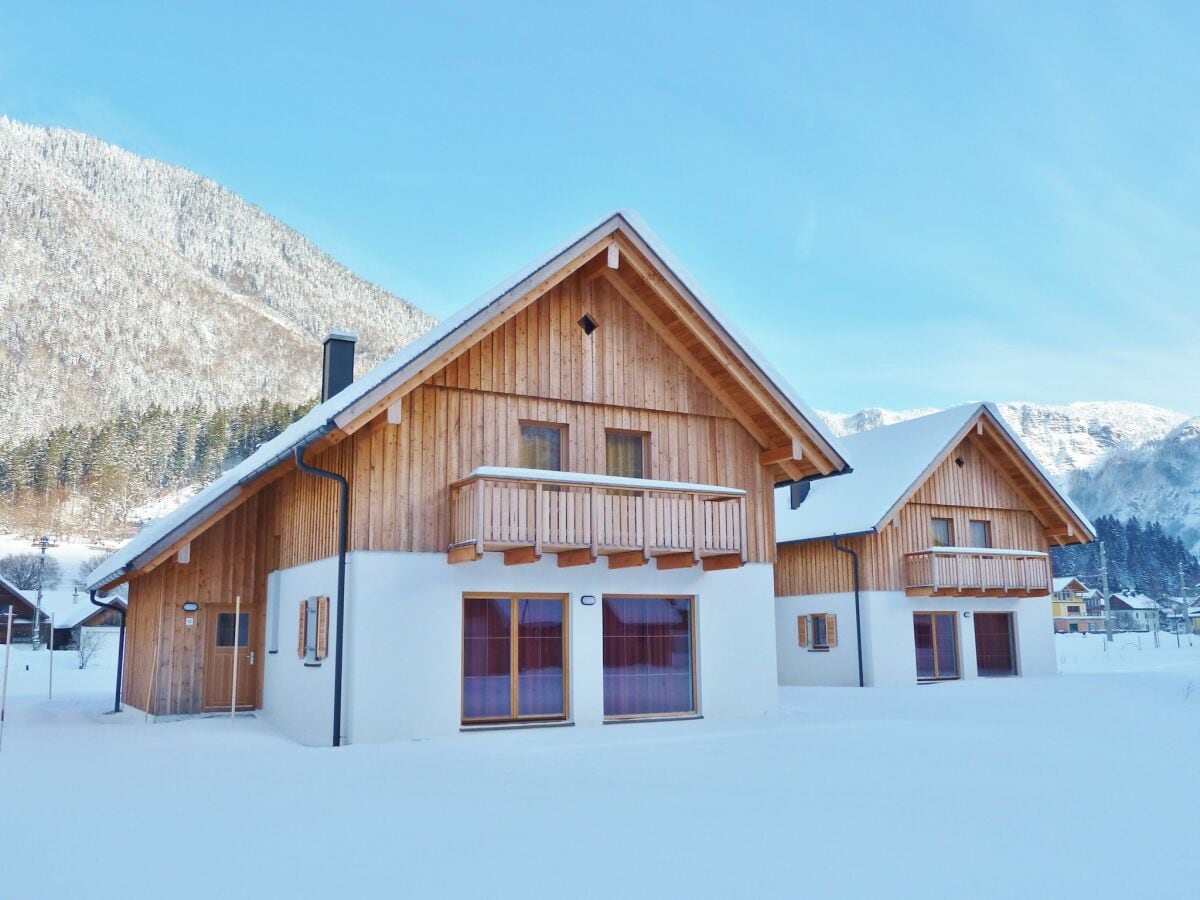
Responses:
[343,529]
[857,611]
[120,645]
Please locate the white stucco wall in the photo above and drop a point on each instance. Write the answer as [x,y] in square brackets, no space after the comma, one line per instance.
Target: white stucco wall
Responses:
[299,698]
[889,654]
[801,665]
[404,640]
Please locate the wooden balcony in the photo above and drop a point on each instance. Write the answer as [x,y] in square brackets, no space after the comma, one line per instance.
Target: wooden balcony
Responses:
[525,513]
[976,572]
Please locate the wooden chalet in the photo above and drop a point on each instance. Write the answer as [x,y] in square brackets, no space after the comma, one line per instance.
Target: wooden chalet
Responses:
[591,447]
[947,518]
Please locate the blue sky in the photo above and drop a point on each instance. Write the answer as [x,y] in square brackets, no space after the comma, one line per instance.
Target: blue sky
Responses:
[903,204]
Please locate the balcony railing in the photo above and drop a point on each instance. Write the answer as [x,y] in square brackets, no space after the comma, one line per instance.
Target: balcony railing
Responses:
[527,512]
[977,572]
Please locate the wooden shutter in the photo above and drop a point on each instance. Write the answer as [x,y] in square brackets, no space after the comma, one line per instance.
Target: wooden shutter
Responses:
[302,642]
[802,630]
[830,629]
[322,627]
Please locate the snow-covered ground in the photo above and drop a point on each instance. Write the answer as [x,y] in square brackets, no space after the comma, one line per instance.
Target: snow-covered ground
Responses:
[1075,786]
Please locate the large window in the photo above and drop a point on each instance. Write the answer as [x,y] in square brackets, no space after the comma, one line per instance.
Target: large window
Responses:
[542,446]
[514,658]
[626,452]
[936,639]
[981,533]
[649,656]
[942,534]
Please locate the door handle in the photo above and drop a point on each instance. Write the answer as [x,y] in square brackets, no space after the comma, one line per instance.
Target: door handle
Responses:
[251,657]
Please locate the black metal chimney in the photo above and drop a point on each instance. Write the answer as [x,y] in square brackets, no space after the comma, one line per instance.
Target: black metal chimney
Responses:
[337,368]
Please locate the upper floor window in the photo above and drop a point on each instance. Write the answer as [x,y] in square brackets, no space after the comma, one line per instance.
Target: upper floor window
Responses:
[943,533]
[981,533]
[626,452]
[542,446]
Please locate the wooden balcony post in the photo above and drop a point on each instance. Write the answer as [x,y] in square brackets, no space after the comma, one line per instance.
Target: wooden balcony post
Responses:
[645,524]
[537,519]
[479,517]
[594,525]
[697,523]
[743,538]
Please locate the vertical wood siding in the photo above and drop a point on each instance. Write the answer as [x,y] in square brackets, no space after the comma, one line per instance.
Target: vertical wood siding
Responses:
[229,559]
[538,366]
[973,491]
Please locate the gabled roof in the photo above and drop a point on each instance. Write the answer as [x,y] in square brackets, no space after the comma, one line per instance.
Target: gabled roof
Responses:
[67,607]
[799,426]
[892,462]
[1061,584]
[11,594]
[1135,601]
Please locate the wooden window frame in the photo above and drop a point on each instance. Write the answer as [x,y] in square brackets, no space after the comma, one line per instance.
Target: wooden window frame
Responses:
[632,432]
[694,712]
[949,531]
[987,532]
[564,442]
[814,645]
[957,647]
[513,688]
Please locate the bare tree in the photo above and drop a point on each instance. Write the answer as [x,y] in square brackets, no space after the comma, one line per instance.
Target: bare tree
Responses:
[86,566]
[86,644]
[24,569]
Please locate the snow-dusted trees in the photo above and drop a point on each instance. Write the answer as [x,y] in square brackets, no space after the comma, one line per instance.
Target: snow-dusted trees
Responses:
[94,475]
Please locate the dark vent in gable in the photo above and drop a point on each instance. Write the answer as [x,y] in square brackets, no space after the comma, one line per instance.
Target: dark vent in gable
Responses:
[588,324]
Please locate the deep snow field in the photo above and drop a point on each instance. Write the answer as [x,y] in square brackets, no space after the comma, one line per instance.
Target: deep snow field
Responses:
[1084,785]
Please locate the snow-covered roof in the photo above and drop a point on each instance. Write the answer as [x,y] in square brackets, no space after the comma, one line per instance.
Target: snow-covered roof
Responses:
[1136,601]
[344,406]
[1060,584]
[8,588]
[888,462]
[68,608]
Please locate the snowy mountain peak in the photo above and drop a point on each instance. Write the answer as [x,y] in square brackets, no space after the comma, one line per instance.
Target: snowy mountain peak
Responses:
[1065,438]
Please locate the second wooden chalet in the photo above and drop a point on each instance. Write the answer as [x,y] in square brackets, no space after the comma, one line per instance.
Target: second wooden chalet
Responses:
[556,507]
[929,562]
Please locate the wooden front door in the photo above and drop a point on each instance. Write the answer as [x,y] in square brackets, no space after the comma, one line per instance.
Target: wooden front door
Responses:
[994,644]
[230,638]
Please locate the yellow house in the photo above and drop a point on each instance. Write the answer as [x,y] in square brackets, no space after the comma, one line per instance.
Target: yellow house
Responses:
[1070,602]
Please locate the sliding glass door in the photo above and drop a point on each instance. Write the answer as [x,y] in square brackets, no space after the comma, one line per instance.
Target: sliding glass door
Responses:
[936,638]
[514,658]
[649,657]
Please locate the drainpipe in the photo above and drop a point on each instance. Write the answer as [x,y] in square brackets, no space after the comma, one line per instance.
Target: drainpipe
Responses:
[857,610]
[120,644]
[343,529]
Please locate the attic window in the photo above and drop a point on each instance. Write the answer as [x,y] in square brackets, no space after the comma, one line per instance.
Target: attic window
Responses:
[588,324]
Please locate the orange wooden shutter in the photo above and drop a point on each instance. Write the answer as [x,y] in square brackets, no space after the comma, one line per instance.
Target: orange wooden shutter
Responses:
[302,643]
[802,629]
[831,629]
[322,627]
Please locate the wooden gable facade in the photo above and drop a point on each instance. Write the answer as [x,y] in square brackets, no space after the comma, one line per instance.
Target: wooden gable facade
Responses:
[646,363]
[981,485]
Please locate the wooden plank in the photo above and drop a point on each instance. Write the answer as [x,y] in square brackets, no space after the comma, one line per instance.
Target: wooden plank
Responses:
[521,556]
[675,561]
[581,557]
[719,563]
[627,560]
